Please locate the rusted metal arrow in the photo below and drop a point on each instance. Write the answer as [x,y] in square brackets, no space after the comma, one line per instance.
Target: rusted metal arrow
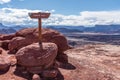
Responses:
[39,16]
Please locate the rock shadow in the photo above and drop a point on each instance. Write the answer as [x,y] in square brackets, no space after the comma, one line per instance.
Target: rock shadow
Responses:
[58,77]
[21,72]
[3,72]
[67,66]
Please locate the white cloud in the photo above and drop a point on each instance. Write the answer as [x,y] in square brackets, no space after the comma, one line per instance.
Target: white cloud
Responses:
[17,16]
[4,1]
[86,18]
[101,17]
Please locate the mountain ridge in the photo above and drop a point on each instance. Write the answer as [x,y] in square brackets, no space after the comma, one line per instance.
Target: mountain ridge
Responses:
[67,29]
[95,29]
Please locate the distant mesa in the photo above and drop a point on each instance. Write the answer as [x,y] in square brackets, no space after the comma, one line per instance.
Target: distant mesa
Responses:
[10,29]
[66,29]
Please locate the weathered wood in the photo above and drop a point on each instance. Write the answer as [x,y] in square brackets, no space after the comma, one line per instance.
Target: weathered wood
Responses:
[40,32]
[39,16]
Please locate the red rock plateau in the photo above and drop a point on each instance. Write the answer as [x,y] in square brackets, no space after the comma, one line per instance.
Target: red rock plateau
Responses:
[87,62]
[94,62]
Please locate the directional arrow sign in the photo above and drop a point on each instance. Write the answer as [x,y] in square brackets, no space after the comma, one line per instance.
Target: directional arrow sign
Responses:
[39,15]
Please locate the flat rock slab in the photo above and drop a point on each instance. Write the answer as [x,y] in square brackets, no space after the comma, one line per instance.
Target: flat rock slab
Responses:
[94,62]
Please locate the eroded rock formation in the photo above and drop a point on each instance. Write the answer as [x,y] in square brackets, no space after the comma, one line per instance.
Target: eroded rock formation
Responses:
[23,50]
[88,62]
[30,35]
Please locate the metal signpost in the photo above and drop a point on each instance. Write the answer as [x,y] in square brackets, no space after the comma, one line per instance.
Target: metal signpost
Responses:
[39,16]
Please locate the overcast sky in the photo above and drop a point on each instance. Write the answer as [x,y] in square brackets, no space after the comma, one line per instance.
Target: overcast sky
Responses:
[63,12]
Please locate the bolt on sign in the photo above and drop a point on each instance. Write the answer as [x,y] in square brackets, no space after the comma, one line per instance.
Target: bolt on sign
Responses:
[39,16]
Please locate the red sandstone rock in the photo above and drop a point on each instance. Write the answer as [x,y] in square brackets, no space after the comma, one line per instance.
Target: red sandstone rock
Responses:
[33,56]
[19,42]
[12,59]
[25,32]
[7,36]
[94,63]
[4,63]
[30,36]
[36,77]
[3,51]
[50,73]
[50,35]
[4,44]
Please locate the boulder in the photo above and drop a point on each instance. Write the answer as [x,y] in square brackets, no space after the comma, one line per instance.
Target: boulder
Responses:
[50,73]
[54,36]
[4,44]
[25,32]
[19,42]
[30,35]
[3,51]
[61,42]
[6,36]
[36,77]
[12,59]
[35,58]
[4,63]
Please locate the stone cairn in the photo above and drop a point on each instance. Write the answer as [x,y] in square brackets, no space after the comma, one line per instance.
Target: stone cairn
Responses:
[37,60]
[36,50]
[39,57]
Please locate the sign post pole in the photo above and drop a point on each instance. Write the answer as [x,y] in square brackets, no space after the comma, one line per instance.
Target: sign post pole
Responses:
[40,32]
[39,16]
